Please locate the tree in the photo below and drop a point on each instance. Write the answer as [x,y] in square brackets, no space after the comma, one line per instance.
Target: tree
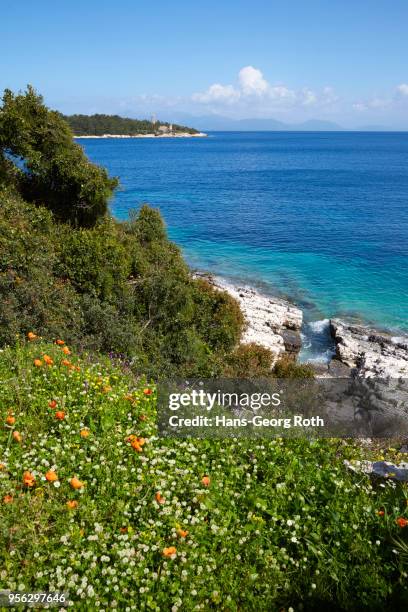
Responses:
[38,154]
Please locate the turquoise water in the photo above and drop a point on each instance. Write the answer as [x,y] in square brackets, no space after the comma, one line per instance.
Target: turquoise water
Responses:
[319,217]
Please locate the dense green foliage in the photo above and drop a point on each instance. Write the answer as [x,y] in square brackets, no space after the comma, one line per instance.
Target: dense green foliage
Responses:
[120,287]
[40,159]
[275,525]
[98,125]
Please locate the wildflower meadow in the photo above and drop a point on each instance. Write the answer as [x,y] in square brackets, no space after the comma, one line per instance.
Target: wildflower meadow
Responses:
[94,504]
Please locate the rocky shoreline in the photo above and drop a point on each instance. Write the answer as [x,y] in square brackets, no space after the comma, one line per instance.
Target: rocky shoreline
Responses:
[170,135]
[369,352]
[360,350]
[270,321]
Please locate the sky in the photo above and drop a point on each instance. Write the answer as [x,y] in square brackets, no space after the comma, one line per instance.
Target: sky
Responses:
[342,61]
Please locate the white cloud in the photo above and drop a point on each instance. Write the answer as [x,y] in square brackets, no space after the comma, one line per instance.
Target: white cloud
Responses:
[308,97]
[402,89]
[395,100]
[329,96]
[279,92]
[254,93]
[252,82]
[375,103]
[217,93]
[359,106]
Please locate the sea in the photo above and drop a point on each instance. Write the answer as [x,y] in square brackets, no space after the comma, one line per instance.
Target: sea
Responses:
[318,217]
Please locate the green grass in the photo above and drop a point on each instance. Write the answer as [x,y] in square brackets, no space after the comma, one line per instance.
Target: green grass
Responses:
[282,524]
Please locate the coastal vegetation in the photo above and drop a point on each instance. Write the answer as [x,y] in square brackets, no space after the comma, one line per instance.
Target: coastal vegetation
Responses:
[93,503]
[98,125]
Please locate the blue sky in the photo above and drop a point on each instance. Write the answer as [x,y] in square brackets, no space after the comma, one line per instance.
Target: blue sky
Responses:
[344,61]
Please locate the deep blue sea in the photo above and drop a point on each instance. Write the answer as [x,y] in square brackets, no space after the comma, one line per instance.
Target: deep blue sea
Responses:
[320,217]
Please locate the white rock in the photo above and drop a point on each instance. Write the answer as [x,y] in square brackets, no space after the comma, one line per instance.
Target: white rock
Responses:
[375,354]
[266,317]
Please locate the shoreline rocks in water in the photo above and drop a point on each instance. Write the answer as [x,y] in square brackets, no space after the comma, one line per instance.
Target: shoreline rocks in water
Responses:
[369,352]
[275,323]
[272,322]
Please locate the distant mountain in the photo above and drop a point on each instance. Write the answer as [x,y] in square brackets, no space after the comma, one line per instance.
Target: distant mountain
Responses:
[220,123]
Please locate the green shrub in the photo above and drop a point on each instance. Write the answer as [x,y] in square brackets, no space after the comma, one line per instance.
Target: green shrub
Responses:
[219,316]
[287,368]
[94,260]
[249,361]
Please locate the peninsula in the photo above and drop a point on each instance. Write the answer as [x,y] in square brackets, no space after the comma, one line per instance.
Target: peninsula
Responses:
[114,126]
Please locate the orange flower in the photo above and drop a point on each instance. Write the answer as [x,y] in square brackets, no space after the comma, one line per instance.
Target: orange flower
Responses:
[17,436]
[60,342]
[401,522]
[132,438]
[380,512]
[7,499]
[60,415]
[84,433]
[147,391]
[31,336]
[10,420]
[142,417]
[48,360]
[28,479]
[159,498]
[52,404]
[206,481]
[65,362]
[75,483]
[2,466]
[38,363]
[183,533]
[123,530]
[66,350]
[72,504]
[106,389]
[136,446]
[169,552]
[51,476]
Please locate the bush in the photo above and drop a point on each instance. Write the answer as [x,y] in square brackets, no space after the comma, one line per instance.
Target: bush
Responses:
[219,316]
[95,261]
[287,368]
[249,361]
